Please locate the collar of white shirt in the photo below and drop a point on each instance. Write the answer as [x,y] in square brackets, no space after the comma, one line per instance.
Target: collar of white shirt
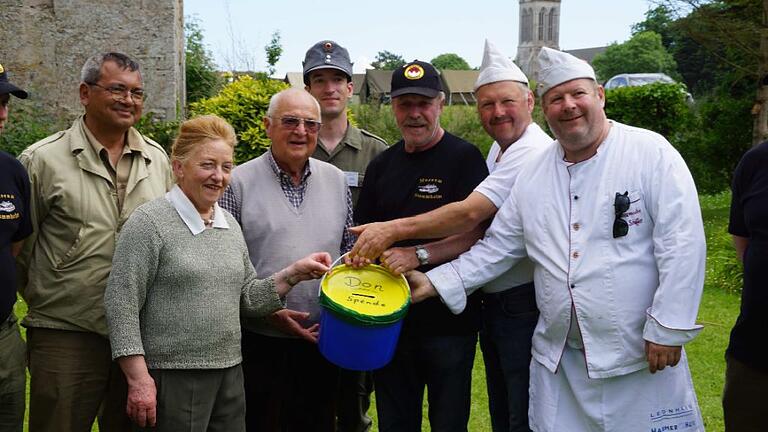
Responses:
[189,213]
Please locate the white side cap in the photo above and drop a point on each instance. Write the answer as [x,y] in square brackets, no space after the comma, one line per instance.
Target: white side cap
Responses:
[497,67]
[557,67]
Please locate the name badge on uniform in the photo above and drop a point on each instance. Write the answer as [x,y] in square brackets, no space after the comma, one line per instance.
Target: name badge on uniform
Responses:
[352,178]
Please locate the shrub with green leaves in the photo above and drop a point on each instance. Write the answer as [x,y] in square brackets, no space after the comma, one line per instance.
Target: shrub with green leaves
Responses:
[27,123]
[659,107]
[715,144]
[243,103]
[162,132]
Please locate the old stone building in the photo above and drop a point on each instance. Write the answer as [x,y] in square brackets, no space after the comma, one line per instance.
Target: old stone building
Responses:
[539,27]
[44,43]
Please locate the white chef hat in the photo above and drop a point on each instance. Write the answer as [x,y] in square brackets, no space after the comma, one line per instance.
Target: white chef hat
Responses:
[497,67]
[557,67]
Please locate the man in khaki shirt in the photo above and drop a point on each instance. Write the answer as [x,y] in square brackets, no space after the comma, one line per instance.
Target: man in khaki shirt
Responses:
[328,77]
[85,181]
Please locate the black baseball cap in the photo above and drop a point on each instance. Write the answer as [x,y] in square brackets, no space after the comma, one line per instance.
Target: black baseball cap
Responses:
[6,87]
[416,77]
[327,54]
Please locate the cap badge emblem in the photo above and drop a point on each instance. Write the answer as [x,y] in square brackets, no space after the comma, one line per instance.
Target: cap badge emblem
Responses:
[414,72]
[327,46]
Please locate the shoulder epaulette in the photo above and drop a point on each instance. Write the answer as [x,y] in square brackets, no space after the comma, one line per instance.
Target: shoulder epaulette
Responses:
[376,137]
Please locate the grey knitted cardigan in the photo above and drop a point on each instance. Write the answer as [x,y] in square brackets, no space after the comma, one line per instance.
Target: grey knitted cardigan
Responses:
[176,298]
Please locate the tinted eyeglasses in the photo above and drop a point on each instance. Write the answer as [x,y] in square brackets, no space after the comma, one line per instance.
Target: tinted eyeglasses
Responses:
[120,93]
[620,206]
[291,123]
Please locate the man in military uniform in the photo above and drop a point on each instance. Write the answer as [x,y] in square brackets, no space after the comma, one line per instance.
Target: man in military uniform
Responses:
[328,77]
[14,227]
[86,181]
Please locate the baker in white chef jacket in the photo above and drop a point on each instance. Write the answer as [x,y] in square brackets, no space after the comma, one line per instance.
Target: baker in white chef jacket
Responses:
[611,220]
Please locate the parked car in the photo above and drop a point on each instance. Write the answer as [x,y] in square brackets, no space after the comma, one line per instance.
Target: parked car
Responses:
[640,79]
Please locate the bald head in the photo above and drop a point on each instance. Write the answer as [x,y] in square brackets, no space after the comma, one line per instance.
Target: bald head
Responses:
[292,97]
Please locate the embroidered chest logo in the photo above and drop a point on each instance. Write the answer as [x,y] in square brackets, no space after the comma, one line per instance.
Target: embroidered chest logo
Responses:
[7,209]
[429,188]
[7,206]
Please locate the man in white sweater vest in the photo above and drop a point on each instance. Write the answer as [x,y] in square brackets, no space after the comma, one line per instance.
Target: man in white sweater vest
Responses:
[286,204]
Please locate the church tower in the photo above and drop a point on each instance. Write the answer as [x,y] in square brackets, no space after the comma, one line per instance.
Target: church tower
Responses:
[539,27]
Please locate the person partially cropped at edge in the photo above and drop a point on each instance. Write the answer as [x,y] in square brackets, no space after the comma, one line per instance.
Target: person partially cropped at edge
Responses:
[15,226]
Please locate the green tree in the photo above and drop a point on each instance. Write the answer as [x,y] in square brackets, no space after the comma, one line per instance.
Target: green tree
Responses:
[202,79]
[658,20]
[730,41]
[450,61]
[643,52]
[386,60]
[273,51]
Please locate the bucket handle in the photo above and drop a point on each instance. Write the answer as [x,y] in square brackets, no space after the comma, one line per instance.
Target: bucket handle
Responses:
[322,279]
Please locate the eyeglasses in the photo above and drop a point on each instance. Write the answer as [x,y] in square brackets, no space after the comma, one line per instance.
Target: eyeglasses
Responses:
[291,123]
[120,93]
[620,206]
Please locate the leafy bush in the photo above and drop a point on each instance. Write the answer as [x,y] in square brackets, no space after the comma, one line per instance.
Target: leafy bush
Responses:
[711,138]
[464,122]
[26,124]
[659,107]
[243,103]
[714,145]
[162,132]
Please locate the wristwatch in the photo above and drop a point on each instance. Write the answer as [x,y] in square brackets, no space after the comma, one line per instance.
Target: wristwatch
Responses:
[422,255]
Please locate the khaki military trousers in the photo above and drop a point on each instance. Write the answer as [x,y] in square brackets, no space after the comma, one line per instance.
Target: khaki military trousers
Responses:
[13,376]
[74,381]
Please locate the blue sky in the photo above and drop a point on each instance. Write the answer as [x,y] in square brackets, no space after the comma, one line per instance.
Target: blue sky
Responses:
[236,31]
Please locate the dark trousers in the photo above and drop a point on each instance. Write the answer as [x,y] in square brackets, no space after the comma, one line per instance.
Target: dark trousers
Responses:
[441,363]
[13,376]
[353,400]
[744,396]
[73,381]
[199,400]
[289,386]
[509,318]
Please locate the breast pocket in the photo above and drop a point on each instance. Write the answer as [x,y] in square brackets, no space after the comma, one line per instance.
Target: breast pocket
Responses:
[633,219]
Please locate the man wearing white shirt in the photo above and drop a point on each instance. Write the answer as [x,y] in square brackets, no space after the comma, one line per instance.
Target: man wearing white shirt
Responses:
[509,312]
[610,218]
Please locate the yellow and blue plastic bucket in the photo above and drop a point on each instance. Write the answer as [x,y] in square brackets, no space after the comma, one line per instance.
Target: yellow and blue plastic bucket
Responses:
[362,315]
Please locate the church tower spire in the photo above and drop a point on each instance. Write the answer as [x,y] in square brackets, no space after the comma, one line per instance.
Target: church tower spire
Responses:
[539,27]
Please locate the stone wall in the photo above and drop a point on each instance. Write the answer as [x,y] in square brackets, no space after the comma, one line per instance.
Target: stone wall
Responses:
[44,43]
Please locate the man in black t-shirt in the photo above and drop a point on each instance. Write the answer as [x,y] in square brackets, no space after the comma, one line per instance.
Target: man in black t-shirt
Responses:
[746,372]
[14,227]
[427,169]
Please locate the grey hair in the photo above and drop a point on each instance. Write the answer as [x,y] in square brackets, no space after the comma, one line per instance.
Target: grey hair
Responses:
[91,71]
[275,100]
[524,87]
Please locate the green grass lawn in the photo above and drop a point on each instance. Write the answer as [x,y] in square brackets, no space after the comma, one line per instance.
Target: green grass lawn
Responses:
[718,311]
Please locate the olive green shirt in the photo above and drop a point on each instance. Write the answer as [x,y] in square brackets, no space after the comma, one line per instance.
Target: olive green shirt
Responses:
[122,170]
[64,265]
[356,149]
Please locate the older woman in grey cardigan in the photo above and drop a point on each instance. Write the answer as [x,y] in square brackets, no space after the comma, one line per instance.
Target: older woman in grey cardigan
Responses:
[180,280]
